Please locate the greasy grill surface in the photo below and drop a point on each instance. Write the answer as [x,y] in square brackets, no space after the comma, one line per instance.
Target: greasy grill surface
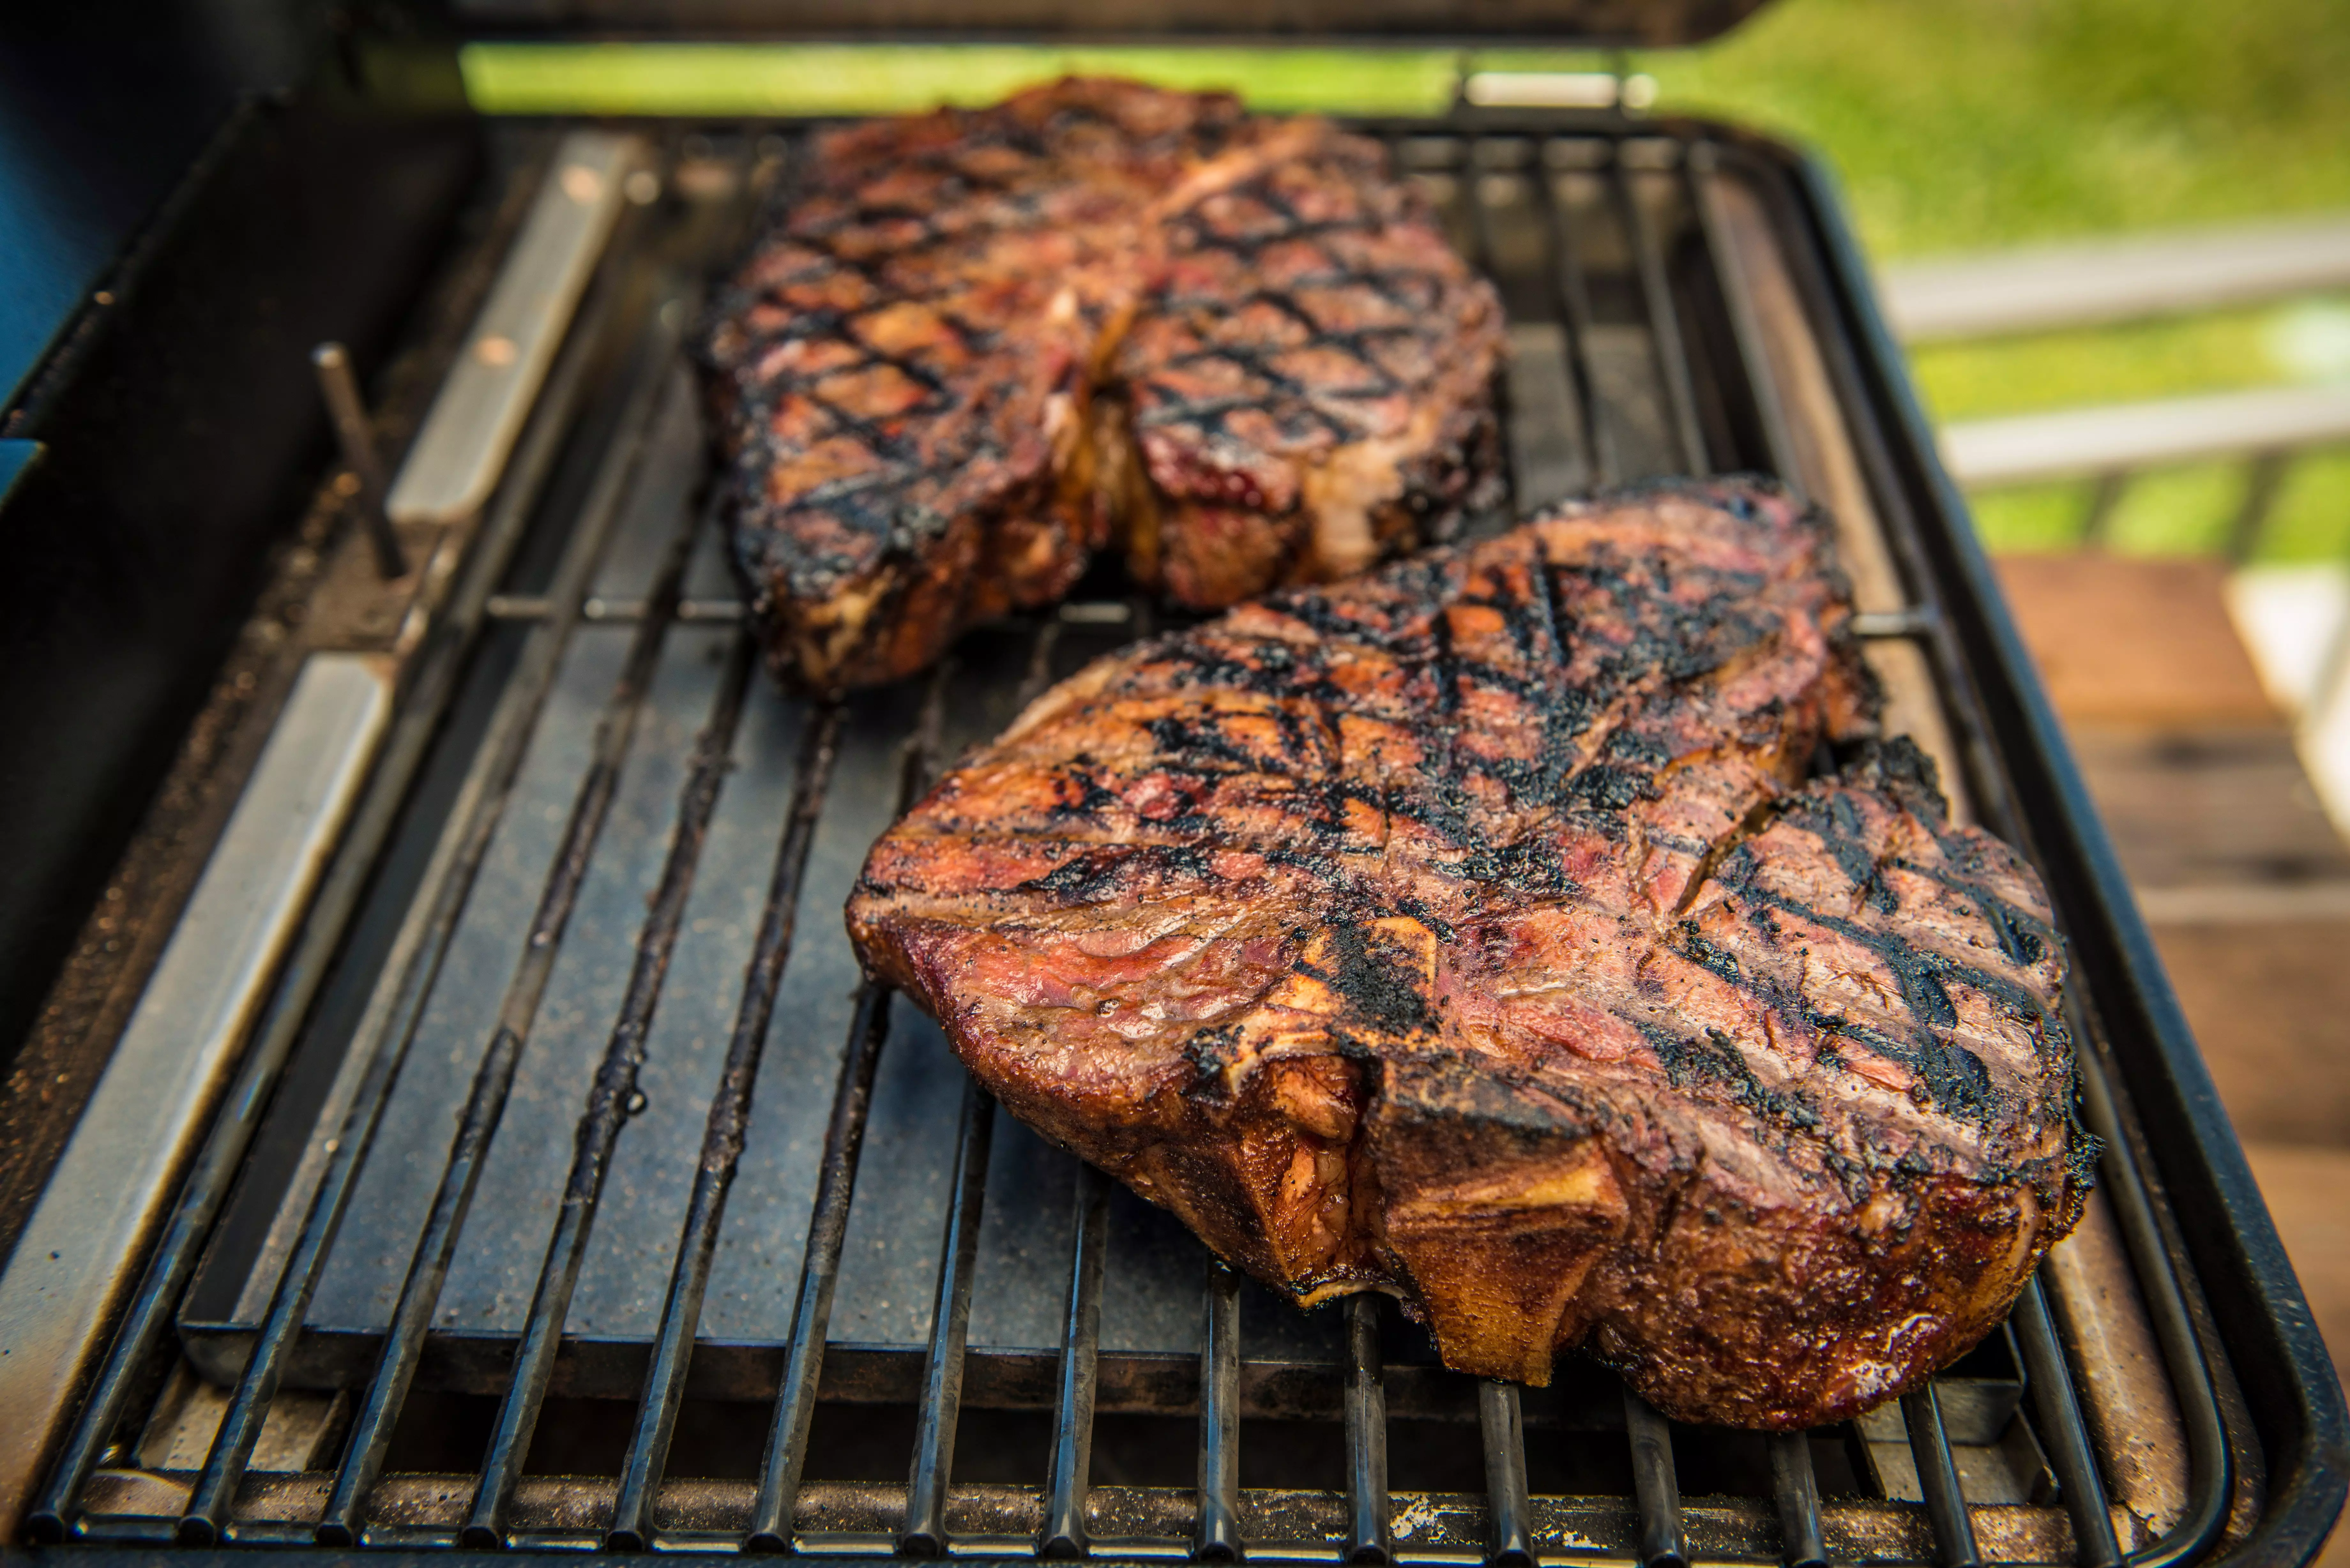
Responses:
[604,1202]
[1466,930]
[976,348]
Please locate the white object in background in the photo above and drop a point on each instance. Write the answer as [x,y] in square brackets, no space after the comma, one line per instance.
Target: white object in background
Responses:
[2082,443]
[1558,89]
[2296,622]
[2045,287]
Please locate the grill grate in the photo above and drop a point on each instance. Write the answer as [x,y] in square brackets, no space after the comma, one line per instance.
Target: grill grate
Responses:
[621,866]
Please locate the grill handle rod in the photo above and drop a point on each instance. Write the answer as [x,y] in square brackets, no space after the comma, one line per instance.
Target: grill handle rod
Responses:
[1073,1414]
[721,1148]
[355,433]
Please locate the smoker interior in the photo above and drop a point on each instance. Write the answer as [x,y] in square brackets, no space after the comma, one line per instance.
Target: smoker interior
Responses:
[922,1328]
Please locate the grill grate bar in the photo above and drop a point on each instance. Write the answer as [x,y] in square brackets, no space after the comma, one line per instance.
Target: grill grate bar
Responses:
[1798,1493]
[925,1531]
[1656,1484]
[721,1148]
[1469,191]
[779,1483]
[2182,1351]
[1664,323]
[2062,1429]
[852,1101]
[608,1108]
[1938,1476]
[208,1508]
[1073,1410]
[1570,286]
[1704,171]
[1217,1537]
[1366,1434]
[1500,1420]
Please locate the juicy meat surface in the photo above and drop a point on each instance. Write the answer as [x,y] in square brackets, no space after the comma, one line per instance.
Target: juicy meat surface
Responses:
[1473,932]
[974,347]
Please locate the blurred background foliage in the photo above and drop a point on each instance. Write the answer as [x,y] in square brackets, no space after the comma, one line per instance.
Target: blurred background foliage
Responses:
[1955,125]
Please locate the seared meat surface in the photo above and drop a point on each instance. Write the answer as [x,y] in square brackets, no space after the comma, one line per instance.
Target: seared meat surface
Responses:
[976,346]
[1472,931]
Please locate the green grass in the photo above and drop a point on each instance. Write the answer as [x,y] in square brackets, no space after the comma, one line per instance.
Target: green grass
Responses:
[1966,124]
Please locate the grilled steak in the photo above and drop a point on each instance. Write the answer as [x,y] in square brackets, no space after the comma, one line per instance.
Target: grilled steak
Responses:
[978,347]
[1472,931]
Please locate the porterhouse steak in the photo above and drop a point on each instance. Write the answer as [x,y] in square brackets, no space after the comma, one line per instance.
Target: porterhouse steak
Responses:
[974,347]
[1481,931]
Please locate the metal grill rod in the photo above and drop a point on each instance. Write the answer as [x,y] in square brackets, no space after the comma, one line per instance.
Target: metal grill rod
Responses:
[1500,1424]
[1938,1478]
[1470,189]
[240,1429]
[1073,1411]
[779,1482]
[1217,1537]
[2060,1426]
[2182,1353]
[721,1147]
[1366,1434]
[1664,322]
[1798,1493]
[608,1109]
[925,1531]
[1571,289]
[429,692]
[843,1141]
[1704,169]
[1656,1483]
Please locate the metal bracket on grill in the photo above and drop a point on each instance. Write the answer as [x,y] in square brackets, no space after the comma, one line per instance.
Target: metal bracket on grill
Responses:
[456,461]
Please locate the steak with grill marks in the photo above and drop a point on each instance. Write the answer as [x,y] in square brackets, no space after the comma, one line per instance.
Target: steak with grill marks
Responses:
[1477,931]
[977,347]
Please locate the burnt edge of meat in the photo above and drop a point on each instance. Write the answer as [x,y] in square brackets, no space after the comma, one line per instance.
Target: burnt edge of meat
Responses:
[1470,931]
[954,367]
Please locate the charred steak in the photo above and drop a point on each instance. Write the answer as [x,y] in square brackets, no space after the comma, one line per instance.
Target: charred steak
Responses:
[1472,931]
[976,346]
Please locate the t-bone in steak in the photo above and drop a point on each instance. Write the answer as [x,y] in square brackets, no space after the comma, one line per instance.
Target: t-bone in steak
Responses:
[977,347]
[1472,931]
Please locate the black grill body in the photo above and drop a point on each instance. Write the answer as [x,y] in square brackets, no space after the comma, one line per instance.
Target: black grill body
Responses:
[582,1195]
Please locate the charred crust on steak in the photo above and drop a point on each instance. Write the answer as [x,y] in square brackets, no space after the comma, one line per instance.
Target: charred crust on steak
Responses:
[971,348]
[1474,930]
